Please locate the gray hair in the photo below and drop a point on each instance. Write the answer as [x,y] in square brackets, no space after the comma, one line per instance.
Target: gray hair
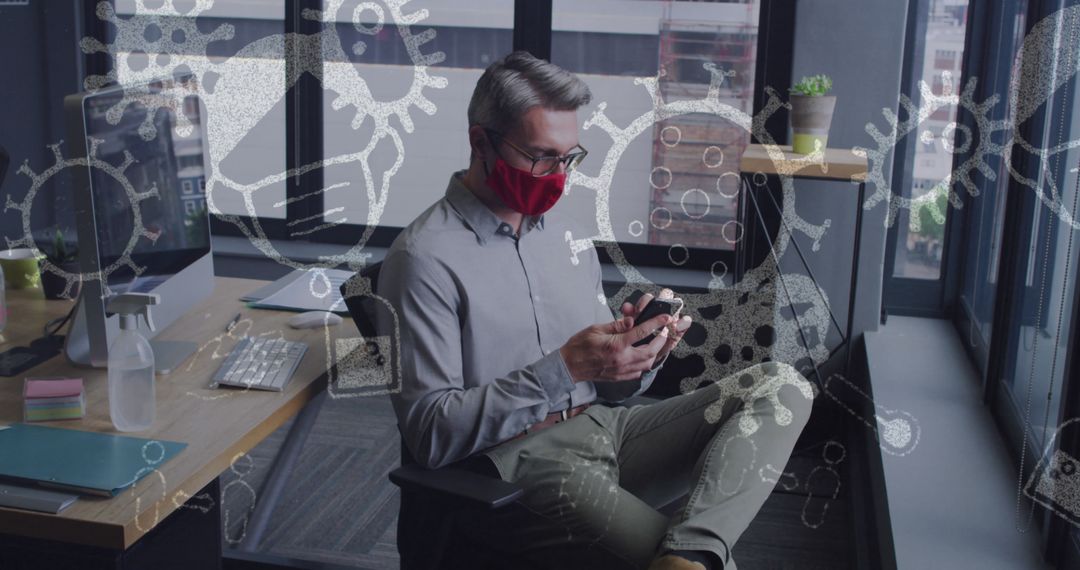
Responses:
[514,84]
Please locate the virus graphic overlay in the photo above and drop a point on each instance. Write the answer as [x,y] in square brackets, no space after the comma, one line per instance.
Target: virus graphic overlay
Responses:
[116,172]
[897,431]
[761,317]
[370,364]
[157,43]
[151,45]
[956,138]
[823,477]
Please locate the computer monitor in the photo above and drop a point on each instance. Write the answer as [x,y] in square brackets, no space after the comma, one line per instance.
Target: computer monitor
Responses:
[158,244]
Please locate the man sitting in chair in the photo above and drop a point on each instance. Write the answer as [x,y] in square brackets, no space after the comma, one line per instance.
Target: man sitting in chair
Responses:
[507,344]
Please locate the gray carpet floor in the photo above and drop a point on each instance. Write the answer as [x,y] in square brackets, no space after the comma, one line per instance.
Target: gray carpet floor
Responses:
[340,507]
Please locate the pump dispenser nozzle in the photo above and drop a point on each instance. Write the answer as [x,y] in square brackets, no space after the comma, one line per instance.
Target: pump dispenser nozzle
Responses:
[130,306]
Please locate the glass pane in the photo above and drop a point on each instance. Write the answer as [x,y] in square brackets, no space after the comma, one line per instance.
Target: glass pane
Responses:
[373,61]
[980,262]
[1047,277]
[676,183]
[1040,343]
[920,241]
[226,46]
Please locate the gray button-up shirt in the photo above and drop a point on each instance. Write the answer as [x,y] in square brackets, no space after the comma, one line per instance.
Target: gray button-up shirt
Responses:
[483,314]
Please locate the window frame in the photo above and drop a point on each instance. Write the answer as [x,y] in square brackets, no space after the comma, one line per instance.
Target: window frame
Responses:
[985,48]
[908,296]
[1056,534]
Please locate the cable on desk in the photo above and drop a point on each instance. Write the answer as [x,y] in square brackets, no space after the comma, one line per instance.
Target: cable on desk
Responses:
[57,324]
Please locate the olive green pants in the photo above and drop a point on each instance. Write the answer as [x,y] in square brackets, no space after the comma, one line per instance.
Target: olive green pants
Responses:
[592,483]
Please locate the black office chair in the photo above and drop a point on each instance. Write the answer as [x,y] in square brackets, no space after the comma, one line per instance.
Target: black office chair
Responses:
[432,500]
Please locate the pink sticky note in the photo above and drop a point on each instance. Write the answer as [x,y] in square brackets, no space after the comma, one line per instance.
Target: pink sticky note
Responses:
[59,388]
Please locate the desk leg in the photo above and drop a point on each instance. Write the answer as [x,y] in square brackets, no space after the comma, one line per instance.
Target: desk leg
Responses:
[854,279]
[280,473]
[188,538]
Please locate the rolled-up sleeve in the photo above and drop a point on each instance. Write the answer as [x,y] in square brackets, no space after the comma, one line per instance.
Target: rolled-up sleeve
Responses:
[617,391]
[442,417]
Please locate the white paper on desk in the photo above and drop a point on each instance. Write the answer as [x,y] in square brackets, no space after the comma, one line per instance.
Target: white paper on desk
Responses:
[298,296]
[272,287]
[29,498]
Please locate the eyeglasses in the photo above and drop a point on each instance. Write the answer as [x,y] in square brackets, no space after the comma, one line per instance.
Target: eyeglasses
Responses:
[544,165]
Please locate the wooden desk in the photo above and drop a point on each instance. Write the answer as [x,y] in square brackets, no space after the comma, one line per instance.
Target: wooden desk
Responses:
[217,424]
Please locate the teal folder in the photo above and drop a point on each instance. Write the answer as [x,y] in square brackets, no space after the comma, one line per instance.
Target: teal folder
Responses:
[80,461]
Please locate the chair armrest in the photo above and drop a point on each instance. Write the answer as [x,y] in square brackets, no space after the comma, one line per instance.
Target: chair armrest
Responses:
[473,487]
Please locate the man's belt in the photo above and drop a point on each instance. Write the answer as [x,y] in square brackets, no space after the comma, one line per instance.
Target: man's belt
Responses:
[552,419]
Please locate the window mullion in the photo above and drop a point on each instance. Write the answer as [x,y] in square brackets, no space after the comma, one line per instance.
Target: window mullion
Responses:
[532,27]
[304,129]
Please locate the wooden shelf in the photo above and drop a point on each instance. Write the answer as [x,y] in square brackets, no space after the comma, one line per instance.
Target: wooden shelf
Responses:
[838,164]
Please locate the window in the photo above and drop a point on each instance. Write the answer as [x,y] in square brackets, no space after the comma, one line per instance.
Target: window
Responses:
[1018,290]
[944,41]
[945,59]
[378,191]
[928,147]
[191,108]
[986,213]
[310,160]
[677,185]
[918,240]
[1033,378]
[187,186]
[1044,275]
[253,148]
[697,212]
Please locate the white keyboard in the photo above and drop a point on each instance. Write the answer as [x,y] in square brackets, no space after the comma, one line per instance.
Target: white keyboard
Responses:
[260,363]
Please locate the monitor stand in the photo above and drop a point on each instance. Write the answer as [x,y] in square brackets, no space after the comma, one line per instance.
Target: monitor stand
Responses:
[77,341]
[170,354]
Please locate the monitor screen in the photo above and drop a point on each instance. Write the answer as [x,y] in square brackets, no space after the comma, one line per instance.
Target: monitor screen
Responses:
[172,229]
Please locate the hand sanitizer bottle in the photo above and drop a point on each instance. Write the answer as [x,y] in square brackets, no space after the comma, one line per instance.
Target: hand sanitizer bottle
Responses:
[131,365]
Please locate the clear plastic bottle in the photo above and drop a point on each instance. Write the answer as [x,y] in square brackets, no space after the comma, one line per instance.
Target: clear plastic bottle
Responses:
[132,398]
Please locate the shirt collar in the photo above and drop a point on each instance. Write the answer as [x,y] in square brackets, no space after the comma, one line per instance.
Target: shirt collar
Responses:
[481,220]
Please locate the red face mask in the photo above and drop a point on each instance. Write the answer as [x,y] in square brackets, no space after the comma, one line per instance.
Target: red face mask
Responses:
[523,192]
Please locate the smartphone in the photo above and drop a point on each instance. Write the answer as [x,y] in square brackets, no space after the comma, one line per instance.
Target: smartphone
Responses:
[656,307]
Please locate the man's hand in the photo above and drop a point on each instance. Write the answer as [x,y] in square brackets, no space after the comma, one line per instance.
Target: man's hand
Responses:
[605,353]
[676,329]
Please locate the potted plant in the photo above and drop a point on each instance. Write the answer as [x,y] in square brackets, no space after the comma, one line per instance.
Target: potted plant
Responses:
[811,113]
[64,257]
